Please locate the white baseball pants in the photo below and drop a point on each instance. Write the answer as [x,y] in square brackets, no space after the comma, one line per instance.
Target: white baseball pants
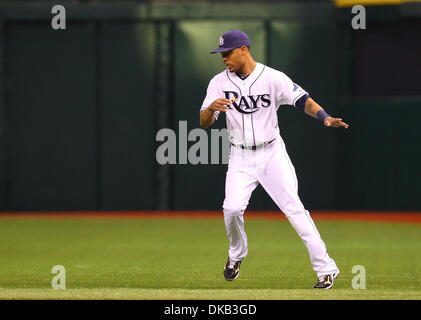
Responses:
[272,168]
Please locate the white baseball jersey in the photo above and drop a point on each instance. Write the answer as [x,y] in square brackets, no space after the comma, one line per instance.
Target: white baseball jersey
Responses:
[253,119]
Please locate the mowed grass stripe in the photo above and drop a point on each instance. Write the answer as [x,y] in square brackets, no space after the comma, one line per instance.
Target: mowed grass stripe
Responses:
[184,258]
[205,294]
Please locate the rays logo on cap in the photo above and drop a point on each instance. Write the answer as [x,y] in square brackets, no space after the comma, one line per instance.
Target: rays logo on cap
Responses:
[221,41]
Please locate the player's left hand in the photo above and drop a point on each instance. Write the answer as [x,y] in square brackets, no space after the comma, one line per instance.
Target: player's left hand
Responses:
[335,123]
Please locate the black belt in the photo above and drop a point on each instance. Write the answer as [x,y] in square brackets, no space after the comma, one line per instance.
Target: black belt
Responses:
[260,146]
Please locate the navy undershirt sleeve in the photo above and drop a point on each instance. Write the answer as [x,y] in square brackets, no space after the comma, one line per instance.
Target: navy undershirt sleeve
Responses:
[300,103]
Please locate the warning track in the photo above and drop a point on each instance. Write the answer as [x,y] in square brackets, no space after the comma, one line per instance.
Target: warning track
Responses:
[377,216]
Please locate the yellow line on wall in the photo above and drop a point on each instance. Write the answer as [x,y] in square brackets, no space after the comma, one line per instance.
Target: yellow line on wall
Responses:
[349,3]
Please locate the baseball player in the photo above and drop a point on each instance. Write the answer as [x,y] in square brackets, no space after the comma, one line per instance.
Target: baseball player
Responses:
[250,93]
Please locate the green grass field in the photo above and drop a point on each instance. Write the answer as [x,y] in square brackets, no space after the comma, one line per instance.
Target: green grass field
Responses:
[183,259]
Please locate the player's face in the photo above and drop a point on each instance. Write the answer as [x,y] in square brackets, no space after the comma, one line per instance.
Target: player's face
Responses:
[233,59]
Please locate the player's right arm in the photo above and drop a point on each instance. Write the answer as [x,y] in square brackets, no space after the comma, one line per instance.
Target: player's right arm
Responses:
[213,104]
[207,116]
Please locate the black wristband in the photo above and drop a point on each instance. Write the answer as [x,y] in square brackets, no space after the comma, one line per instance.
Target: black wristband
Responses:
[322,115]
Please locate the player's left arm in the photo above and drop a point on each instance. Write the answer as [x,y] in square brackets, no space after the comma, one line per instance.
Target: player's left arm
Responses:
[313,109]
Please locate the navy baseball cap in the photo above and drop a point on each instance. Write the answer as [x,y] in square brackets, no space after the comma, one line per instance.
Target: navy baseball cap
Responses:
[232,39]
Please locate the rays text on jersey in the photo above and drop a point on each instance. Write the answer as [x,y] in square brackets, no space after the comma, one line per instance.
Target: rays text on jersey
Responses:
[249,103]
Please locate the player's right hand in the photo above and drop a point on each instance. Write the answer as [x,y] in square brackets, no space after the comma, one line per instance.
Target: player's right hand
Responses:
[220,105]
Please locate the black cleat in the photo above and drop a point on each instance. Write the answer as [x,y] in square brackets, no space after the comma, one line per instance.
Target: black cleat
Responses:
[232,270]
[326,281]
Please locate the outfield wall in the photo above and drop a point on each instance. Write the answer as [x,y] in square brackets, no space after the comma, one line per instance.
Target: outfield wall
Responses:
[80,108]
